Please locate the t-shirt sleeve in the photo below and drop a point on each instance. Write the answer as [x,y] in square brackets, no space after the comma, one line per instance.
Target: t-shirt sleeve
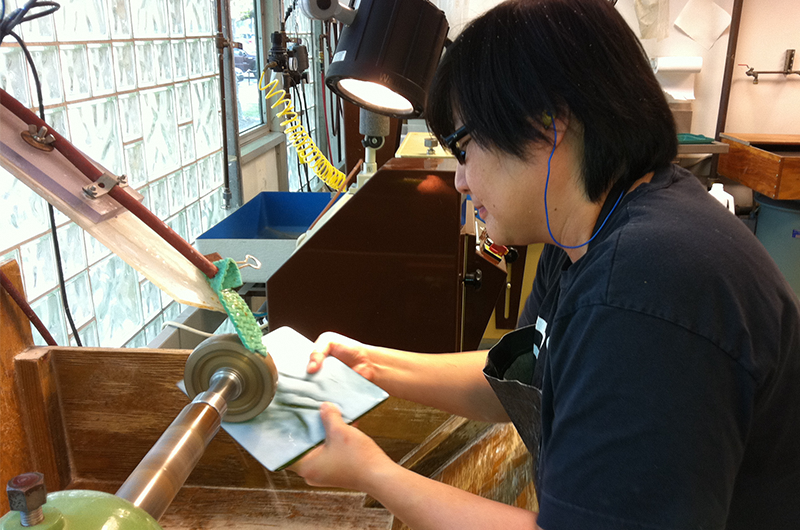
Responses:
[647,425]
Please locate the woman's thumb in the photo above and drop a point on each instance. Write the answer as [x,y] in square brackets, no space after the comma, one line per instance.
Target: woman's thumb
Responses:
[331,416]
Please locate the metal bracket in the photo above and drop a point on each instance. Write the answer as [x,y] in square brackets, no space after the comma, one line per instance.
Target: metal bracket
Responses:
[788,63]
[104,184]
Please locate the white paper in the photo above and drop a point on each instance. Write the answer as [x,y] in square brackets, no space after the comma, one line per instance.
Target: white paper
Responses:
[704,21]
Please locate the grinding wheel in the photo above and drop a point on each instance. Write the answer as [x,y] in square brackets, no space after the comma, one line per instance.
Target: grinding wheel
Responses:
[258,374]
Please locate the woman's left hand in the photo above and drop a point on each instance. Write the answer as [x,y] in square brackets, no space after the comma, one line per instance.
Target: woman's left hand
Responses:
[348,459]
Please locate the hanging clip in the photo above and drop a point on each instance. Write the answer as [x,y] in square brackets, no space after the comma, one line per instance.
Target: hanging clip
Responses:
[246,263]
[104,184]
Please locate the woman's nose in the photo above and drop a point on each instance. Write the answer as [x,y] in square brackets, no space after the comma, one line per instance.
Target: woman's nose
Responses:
[461,179]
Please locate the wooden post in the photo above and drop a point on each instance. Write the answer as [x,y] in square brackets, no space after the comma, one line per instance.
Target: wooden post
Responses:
[15,337]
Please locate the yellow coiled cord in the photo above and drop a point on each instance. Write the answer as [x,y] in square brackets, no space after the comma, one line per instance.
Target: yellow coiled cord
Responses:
[297,136]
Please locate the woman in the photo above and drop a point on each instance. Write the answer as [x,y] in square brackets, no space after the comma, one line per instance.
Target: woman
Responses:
[657,382]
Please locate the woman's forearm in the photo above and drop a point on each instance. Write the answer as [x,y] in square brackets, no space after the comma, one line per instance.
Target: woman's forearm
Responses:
[425,504]
[452,382]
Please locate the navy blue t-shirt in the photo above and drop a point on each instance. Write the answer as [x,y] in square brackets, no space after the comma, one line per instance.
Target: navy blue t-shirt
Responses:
[669,365]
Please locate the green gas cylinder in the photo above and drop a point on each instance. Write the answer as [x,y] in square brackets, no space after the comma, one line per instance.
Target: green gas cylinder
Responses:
[85,510]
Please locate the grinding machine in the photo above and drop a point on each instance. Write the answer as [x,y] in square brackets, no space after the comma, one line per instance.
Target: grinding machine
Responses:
[224,380]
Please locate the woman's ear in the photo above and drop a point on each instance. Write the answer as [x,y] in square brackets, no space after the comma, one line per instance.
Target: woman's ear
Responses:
[561,126]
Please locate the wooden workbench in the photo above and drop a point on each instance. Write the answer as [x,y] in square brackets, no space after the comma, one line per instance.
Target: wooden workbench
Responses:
[85,417]
[766,163]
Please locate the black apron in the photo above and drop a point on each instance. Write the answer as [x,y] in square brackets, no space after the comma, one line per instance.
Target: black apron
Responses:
[522,401]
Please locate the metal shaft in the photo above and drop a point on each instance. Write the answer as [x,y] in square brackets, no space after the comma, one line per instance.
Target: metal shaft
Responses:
[160,475]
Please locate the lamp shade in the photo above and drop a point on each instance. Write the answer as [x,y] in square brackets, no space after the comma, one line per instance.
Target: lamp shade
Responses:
[386,58]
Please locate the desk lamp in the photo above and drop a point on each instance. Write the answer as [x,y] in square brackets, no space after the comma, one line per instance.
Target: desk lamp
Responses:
[387,54]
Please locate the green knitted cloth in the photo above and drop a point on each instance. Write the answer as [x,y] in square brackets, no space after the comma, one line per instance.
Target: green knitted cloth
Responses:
[226,280]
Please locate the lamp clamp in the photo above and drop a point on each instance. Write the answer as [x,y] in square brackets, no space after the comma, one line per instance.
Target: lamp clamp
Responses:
[328,9]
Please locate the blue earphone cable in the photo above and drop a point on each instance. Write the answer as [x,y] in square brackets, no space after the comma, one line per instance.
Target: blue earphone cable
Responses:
[547,183]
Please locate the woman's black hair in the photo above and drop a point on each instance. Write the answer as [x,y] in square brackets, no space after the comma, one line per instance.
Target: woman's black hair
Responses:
[526,59]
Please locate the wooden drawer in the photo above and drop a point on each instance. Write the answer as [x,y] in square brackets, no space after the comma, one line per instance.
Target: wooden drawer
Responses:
[767,163]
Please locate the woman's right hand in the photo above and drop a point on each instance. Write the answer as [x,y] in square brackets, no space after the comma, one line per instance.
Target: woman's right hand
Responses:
[351,352]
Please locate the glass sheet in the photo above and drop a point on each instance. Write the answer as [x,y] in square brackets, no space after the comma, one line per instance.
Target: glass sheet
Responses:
[291,425]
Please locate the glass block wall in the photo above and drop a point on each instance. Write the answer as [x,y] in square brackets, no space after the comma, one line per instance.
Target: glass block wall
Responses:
[133,84]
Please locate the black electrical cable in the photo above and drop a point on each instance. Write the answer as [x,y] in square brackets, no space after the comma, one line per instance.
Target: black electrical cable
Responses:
[335,109]
[304,123]
[7,28]
[308,128]
[22,14]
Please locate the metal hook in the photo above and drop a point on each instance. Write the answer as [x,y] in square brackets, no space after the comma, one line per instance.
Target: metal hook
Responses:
[256,263]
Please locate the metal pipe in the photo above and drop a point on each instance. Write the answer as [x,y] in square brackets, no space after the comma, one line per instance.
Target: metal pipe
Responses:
[725,96]
[162,472]
[223,43]
[19,298]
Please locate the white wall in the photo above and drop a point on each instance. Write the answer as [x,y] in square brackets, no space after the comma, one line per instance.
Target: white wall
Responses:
[768,28]
[261,174]
[708,82]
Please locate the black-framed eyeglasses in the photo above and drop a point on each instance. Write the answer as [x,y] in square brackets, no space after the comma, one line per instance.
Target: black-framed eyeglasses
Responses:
[452,144]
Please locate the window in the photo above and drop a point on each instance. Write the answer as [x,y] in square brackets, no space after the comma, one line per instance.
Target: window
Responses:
[134,84]
[247,62]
